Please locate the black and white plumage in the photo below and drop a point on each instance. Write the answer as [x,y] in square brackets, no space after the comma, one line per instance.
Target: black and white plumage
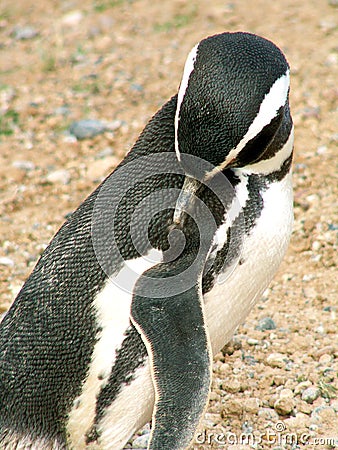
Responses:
[84,362]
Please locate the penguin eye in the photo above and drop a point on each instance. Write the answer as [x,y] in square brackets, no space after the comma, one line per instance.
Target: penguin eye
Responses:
[254,149]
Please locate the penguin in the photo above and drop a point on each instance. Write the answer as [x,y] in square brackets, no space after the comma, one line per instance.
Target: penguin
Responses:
[119,320]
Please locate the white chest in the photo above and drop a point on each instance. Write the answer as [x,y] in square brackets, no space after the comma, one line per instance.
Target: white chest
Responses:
[230,300]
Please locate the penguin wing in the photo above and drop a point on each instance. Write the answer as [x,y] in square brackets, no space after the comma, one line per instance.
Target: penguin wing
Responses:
[174,332]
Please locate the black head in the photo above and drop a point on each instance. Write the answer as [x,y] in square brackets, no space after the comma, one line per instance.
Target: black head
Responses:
[232,100]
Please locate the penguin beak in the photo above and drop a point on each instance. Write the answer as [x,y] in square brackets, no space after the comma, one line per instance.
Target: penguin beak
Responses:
[185,199]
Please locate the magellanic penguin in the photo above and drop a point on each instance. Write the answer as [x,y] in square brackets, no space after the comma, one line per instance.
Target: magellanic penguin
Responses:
[151,275]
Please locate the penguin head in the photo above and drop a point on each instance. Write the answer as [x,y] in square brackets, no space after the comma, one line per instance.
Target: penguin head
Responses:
[232,100]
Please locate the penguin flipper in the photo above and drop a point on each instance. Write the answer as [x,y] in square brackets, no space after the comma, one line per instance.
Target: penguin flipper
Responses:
[174,333]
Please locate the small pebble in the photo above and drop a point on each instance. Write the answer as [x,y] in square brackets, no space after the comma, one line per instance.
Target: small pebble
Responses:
[252,341]
[232,406]
[99,168]
[141,441]
[136,87]
[273,398]
[115,124]
[308,277]
[72,19]
[310,394]
[322,149]
[294,424]
[62,111]
[251,405]
[276,360]
[5,261]
[107,151]
[325,359]
[309,292]
[279,380]
[232,386]
[284,405]
[210,419]
[323,414]
[268,414]
[26,32]
[61,176]
[15,289]
[316,245]
[328,25]
[267,323]
[232,346]
[69,138]
[320,329]
[302,386]
[213,396]
[286,393]
[247,427]
[304,407]
[224,367]
[24,165]
[87,128]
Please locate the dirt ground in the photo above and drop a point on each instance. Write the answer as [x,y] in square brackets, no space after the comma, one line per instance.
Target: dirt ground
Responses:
[119,61]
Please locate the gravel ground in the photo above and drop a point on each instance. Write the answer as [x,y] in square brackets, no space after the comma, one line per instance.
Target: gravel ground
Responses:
[114,63]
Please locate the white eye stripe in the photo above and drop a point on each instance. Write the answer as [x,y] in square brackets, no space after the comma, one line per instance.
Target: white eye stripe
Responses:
[188,68]
[272,102]
[272,164]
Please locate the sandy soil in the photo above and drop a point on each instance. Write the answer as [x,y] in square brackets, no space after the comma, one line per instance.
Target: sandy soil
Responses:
[118,61]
